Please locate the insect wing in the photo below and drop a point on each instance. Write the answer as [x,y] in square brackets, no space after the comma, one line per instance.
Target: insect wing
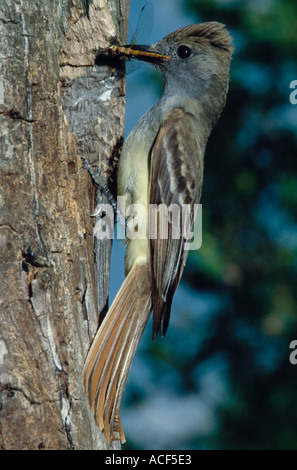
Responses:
[142,33]
[144,27]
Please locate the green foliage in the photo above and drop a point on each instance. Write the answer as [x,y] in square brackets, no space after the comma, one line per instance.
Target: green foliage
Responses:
[249,252]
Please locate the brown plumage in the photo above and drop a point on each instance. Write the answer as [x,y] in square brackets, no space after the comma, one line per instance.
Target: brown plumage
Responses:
[116,342]
[214,33]
[161,167]
[174,182]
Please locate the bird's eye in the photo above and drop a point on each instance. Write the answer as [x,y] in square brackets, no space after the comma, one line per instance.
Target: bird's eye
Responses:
[184,52]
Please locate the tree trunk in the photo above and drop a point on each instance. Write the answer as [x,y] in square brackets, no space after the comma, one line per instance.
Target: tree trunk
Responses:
[55,107]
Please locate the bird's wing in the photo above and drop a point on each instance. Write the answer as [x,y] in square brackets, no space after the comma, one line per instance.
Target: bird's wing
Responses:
[176,178]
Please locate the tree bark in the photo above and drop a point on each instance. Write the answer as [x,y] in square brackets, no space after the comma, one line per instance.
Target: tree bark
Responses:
[56,106]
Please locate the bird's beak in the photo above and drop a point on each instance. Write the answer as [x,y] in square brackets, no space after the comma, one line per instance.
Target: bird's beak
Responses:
[139,52]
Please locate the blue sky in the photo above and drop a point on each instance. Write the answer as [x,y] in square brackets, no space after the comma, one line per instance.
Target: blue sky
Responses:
[141,94]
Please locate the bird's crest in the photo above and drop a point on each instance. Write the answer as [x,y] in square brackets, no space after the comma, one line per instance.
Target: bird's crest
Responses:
[214,32]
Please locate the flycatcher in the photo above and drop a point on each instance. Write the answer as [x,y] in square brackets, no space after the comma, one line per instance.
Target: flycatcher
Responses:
[161,163]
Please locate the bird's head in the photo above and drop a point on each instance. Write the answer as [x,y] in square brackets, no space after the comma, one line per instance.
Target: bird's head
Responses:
[194,62]
[199,64]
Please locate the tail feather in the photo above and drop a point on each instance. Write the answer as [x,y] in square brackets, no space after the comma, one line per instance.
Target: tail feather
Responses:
[110,357]
[130,351]
[115,366]
[108,362]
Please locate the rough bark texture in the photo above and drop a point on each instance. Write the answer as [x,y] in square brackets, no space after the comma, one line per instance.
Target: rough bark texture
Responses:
[55,107]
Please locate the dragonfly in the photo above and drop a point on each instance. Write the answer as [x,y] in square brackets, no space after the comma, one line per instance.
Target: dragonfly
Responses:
[141,36]
[133,50]
[137,52]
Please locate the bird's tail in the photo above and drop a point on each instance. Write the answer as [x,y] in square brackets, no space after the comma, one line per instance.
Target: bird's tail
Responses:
[110,357]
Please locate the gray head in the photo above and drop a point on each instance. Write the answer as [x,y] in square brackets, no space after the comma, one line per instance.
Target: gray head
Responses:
[199,64]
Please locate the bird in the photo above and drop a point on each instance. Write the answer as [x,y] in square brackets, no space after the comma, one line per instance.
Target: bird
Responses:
[161,164]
